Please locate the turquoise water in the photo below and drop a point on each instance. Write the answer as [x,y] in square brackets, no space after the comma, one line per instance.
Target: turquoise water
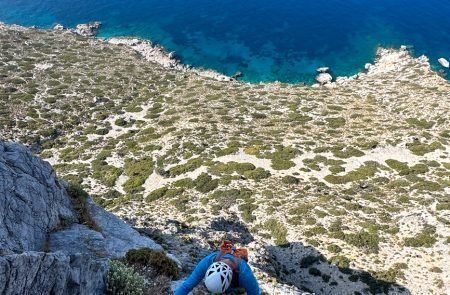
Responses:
[266,40]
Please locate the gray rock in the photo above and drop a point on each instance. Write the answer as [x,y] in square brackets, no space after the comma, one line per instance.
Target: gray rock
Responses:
[51,273]
[32,201]
[114,241]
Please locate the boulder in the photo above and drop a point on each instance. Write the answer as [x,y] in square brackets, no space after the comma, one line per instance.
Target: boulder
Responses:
[324,78]
[445,63]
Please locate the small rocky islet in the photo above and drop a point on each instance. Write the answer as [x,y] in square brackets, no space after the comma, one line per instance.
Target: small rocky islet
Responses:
[340,188]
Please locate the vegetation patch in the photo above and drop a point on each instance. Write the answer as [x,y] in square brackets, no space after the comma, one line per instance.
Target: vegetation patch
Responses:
[277,231]
[123,279]
[156,259]
[204,183]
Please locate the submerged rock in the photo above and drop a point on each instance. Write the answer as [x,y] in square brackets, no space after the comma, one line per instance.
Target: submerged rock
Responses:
[445,63]
[323,70]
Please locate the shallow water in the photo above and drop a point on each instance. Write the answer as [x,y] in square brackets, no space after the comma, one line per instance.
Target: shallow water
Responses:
[267,40]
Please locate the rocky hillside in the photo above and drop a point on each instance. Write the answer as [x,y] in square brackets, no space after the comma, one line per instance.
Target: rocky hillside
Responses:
[337,189]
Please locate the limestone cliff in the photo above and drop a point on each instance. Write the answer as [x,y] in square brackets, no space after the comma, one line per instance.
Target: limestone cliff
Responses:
[43,245]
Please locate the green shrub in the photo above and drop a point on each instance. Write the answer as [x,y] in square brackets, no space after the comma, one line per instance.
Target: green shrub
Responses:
[122,279]
[424,239]
[156,194]
[421,149]
[230,167]
[138,170]
[257,174]
[280,164]
[191,165]
[289,179]
[314,272]
[107,174]
[309,260]
[80,202]
[204,183]
[335,122]
[184,183]
[340,261]
[364,240]
[346,152]
[246,210]
[156,259]
[421,123]
[278,231]
[334,248]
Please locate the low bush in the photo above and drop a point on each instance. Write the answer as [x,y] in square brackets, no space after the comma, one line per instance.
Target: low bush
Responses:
[204,183]
[278,231]
[122,279]
[156,259]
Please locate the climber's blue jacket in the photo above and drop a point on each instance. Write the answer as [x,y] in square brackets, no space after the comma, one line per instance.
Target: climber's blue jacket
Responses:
[247,280]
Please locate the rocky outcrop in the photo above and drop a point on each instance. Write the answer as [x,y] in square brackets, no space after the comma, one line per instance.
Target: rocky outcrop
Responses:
[324,77]
[114,240]
[44,247]
[87,30]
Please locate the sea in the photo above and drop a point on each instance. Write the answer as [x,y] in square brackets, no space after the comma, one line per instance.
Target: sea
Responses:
[266,40]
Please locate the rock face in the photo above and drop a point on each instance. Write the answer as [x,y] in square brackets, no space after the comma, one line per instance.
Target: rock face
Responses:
[32,201]
[51,273]
[87,30]
[43,247]
[445,63]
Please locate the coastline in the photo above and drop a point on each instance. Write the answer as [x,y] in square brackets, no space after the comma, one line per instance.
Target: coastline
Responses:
[386,59]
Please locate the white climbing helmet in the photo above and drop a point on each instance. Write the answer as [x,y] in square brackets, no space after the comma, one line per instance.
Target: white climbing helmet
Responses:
[218,277]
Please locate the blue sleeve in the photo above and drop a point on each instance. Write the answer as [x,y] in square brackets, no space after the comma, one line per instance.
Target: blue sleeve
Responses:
[247,280]
[196,276]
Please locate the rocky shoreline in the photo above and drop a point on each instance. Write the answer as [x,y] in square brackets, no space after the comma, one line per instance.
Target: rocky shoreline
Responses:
[155,53]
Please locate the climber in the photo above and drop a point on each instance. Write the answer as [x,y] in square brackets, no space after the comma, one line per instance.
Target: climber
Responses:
[224,271]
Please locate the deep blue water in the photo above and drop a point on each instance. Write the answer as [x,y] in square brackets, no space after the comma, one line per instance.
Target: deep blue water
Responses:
[267,40]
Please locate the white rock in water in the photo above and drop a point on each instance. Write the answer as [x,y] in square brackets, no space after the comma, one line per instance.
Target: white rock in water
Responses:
[58,27]
[88,30]
[324,78]
[367,66]
[444,62]
[323,70]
